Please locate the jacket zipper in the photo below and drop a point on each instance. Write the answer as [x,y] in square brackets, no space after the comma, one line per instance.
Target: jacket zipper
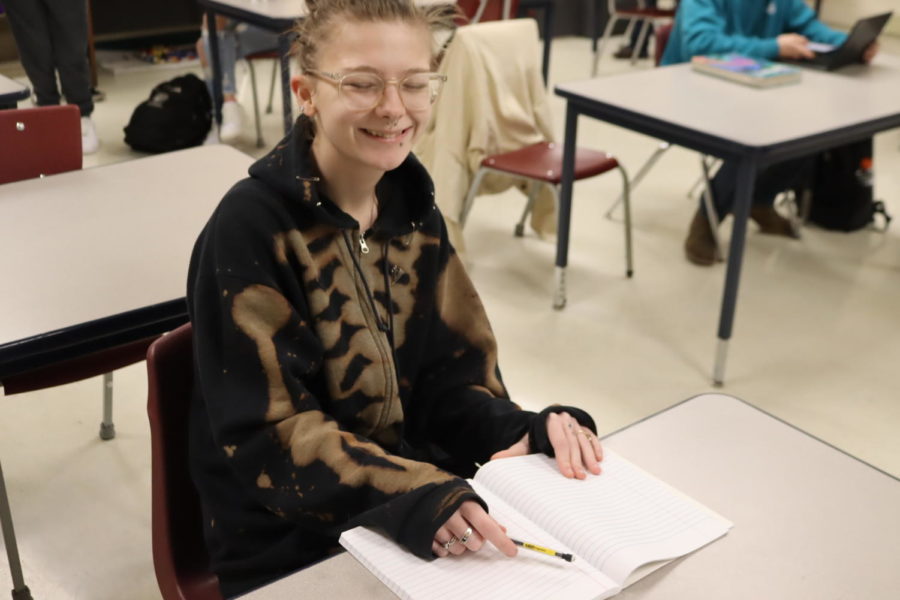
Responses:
[388,357]
[363,246]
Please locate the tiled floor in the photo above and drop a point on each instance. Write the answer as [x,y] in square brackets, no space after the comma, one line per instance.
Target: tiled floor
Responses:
[816,342]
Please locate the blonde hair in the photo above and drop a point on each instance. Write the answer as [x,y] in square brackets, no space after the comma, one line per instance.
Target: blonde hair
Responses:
[313,31]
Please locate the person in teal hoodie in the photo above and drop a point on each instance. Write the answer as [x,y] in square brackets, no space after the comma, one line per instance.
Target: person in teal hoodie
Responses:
[769,29]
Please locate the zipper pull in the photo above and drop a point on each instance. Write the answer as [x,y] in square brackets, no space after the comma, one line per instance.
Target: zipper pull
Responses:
[363,246]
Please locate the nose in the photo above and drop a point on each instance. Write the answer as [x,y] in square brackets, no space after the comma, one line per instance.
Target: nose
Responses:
[391,104]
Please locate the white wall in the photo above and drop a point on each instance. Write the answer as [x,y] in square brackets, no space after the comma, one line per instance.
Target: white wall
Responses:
[843,13]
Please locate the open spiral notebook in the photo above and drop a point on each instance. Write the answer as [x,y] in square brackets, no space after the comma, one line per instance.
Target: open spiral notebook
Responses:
[620,525]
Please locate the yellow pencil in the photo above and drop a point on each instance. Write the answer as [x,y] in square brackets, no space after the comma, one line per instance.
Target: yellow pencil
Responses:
[543,550]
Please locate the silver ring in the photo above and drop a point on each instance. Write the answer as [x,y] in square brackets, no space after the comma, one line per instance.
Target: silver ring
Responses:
[465,536]
[450,542]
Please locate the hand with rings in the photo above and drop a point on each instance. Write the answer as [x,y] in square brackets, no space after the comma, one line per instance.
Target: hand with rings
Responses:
[467,530]
[576,447]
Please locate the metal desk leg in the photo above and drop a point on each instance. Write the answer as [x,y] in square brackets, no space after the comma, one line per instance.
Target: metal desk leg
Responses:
[20,591]
[107,427]
[216,67]
[284,49]
[565,206]
[745,181]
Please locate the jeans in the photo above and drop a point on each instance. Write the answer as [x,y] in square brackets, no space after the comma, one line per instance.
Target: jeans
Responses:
[770,182]
[236,41]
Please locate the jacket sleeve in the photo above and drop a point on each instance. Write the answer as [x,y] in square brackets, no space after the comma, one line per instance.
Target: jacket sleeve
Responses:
[255,356]
[704,29]
[467,411]
[802,19]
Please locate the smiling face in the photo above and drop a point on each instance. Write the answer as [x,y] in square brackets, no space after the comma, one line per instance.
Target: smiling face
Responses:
[366,142]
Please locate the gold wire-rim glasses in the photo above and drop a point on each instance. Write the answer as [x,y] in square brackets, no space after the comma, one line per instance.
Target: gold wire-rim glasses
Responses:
[365,98]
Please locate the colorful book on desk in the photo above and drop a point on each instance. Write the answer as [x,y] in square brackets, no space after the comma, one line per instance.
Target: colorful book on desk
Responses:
[619,525]
[743,69]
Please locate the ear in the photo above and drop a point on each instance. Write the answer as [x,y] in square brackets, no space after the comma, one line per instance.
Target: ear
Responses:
[303,88]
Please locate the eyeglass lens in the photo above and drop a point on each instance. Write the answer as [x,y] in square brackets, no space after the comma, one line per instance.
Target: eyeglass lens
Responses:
[364,90]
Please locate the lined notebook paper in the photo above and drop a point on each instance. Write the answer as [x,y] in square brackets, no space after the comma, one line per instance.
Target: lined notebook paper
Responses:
[613,523]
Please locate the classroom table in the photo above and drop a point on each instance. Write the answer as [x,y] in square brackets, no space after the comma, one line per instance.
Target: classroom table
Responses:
[810,521]
[279,16]
[11,92]
[97,258]
[757,127]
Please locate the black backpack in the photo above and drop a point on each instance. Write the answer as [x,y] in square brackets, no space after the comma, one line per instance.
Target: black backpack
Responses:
[176,115]
[842,189]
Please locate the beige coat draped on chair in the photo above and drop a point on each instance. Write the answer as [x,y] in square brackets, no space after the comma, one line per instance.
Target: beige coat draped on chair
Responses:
[494,101]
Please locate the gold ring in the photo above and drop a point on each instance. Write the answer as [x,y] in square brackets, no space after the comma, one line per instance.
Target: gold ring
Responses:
[450,542]
[465,536]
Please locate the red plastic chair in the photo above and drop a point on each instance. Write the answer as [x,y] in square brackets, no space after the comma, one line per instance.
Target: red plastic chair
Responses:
[478,11]
[39,141]
[180,558]
[539,162]
[635,15]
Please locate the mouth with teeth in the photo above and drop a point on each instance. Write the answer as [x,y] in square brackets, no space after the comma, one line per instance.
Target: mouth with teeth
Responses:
[387,136]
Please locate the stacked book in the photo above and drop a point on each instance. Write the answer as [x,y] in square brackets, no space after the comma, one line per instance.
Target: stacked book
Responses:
[755,72]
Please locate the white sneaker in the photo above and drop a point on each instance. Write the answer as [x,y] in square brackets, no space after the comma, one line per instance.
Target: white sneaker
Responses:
[89,141]
[230,129]
[211,138]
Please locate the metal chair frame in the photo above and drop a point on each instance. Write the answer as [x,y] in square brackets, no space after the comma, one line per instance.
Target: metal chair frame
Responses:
[559,295]
[260,142]
[640,15]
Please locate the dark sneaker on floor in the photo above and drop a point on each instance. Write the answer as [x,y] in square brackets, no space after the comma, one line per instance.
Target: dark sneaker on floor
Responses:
[700,245]
[624,52]
[770,222]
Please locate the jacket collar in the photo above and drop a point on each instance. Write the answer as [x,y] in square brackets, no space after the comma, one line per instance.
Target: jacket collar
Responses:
[406,194]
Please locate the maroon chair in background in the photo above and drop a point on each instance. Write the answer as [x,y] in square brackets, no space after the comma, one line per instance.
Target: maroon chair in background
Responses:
[637,14]
[39,141]
[180,558]
[478,11]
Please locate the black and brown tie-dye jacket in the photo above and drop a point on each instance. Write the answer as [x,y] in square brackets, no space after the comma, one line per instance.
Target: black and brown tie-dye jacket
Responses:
[340,381]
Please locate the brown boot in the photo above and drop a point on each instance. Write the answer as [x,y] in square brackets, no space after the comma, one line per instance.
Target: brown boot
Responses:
[700,245]
[771,222]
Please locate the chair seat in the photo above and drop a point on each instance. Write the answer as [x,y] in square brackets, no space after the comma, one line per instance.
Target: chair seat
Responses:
[273,53]
[543,161]
[646,13]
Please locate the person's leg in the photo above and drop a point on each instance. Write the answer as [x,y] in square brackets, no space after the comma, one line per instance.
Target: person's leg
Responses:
[227,61]
[67,23]
[28,22]
[230,127]
[700,245]
[771,182]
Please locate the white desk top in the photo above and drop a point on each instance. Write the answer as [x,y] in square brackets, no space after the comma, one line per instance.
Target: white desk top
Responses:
[10,86]
[756,117]
[809,521]
[83,245]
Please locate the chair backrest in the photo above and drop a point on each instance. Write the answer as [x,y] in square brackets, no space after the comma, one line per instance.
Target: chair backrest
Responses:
[39,141]
[488,10]
[662,38]
[180,558]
